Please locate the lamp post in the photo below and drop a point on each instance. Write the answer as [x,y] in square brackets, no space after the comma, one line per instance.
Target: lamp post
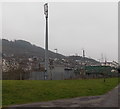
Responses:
[56,50]
[46,41]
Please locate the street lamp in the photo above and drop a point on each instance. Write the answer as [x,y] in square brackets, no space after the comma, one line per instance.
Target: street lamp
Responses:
[46,41]
[46,9]
[56,50]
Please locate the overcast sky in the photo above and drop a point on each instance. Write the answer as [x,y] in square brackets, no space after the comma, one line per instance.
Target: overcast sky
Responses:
[72,27]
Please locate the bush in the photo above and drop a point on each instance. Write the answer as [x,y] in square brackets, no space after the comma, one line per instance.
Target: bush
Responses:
[15,74]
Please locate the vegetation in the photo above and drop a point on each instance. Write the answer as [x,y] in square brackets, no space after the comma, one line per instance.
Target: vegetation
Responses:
[21,48]
[27,91]
[15,74]
[100,70]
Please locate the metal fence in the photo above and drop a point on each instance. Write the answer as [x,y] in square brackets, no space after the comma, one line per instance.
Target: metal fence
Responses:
[59,73]
[53,75]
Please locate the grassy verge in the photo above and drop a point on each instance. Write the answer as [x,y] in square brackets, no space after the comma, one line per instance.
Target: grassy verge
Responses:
[27,91]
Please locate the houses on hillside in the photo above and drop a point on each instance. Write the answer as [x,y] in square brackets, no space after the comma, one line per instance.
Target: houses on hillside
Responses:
[111,64]
[58,68]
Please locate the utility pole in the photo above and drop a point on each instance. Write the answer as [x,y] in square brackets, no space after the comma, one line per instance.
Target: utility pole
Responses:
[105,72]
[83,53]
[102,57]
[46,41]
[84,62]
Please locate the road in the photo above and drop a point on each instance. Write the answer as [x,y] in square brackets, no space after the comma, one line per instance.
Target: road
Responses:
[108,100]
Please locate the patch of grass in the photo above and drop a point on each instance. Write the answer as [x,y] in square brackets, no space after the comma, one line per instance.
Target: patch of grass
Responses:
[28,91]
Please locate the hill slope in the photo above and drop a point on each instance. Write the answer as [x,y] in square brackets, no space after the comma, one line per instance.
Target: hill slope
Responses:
[20,48]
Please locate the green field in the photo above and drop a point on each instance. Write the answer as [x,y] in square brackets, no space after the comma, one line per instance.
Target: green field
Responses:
[28,91]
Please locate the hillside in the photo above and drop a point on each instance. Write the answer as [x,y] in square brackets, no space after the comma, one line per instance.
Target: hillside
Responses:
[21,48]
[81,59]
